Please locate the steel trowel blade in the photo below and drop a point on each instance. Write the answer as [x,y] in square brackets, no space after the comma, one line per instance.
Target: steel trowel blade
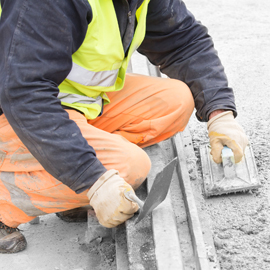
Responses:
[159,189]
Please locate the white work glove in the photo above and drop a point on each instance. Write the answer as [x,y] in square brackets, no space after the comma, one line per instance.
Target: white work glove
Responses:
[107,198]
[224,130]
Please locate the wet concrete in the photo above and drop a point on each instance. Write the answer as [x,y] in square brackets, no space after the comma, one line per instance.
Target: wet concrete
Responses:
[241,33]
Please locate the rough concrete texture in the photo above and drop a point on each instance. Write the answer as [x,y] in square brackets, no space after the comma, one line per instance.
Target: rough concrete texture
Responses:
[56,245]
[241,33]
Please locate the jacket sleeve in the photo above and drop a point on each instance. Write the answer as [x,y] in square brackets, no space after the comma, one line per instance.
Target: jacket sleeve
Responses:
[37,39]
[182,48]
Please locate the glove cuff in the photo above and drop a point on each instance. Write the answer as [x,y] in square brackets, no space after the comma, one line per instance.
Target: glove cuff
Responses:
[104,177]
[219,116]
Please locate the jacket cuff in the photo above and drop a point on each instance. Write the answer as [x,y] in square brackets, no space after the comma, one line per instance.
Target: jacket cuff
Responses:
[229,113]
[89,177]
[106,176]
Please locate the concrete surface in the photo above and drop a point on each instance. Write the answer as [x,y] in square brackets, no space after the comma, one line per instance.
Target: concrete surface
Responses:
[52,244]
[241,33]
[57,245]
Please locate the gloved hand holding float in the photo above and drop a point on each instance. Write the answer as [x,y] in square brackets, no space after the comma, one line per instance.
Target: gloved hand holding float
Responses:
[224,130]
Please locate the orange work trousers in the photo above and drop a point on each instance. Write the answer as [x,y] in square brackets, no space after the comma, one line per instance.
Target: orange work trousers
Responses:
[146,111]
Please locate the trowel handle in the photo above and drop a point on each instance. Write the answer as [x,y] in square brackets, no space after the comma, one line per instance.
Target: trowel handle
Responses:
[227,152]
[228,163]
[132,197]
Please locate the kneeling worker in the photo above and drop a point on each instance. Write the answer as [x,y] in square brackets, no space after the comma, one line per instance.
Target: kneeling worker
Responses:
[73,123]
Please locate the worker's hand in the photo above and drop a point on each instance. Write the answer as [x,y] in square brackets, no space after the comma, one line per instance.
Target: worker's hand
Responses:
[224,130]
[108,200]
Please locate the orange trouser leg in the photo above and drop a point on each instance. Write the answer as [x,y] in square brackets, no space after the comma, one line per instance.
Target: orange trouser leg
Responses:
[146,111]
[25,194]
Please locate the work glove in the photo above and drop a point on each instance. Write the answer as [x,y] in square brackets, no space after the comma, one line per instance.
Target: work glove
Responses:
[107,198]
[224,130]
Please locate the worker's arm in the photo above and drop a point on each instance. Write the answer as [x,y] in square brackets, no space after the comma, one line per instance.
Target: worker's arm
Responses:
[37,39]
[182,48]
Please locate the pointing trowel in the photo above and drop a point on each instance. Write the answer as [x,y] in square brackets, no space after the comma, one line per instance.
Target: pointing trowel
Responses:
[157,193]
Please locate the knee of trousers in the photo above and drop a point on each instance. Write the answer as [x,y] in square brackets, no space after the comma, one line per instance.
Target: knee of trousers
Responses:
[135,165]
[182,100]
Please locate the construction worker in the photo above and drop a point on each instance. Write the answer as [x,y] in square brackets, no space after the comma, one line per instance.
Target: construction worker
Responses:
[73,123]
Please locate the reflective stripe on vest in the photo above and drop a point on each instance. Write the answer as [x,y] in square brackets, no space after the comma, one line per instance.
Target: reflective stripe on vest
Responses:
[99,65]
[73,98]
[86,77]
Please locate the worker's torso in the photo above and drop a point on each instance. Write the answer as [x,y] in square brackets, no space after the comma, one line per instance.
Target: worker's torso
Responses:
[100,64]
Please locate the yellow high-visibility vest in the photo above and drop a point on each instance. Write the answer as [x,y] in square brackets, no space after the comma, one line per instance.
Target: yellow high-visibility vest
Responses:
[99,65]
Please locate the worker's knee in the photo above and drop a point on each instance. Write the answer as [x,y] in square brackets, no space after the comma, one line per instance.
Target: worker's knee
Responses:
[135,166]
[181,96]
[181,103]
